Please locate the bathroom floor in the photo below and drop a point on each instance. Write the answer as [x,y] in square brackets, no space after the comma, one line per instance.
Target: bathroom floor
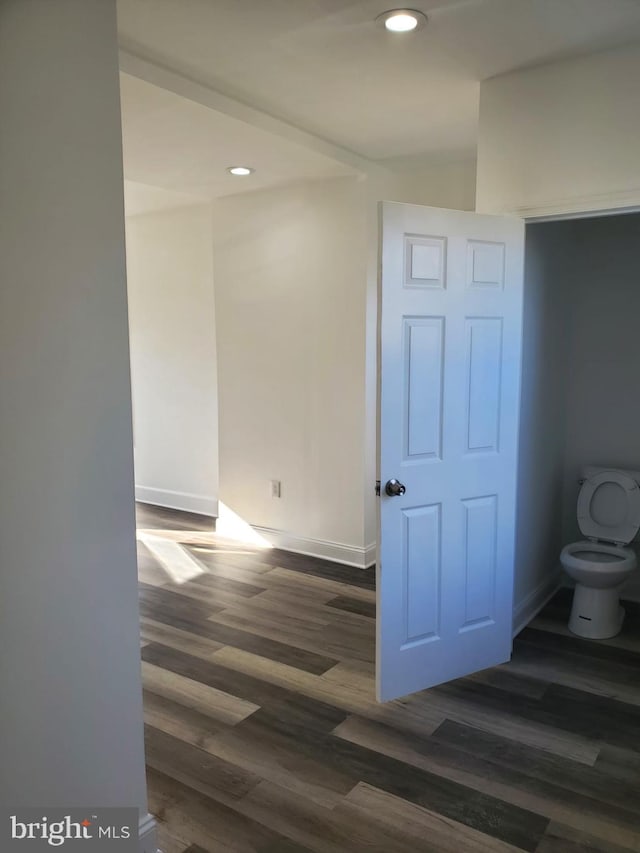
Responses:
[263,734]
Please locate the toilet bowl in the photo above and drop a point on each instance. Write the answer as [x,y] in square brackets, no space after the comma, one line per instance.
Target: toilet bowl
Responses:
[609,516]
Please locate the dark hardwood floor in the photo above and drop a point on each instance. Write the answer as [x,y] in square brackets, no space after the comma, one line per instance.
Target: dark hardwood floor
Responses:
[263,734]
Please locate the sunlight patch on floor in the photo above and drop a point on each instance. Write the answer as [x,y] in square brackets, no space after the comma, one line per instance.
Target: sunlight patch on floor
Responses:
[231,526]
[174,559]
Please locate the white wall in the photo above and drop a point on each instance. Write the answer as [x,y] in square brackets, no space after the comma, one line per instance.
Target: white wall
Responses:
[545,374]
[296,274]
[173,358]
[561,137]
[290,276]
[71,703]
[447,184]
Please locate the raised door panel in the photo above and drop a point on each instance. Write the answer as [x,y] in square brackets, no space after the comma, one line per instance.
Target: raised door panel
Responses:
[423,366]
[422,567]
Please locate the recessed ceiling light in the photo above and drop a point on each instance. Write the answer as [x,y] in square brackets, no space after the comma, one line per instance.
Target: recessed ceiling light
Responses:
[402,20]
[240,170]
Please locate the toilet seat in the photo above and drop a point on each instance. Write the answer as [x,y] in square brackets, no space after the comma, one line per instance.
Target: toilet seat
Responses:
[629,523]
[597,557]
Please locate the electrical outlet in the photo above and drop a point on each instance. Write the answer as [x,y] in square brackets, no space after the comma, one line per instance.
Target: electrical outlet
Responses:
[274,488]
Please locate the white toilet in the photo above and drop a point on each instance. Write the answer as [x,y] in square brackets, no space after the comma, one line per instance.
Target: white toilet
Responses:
[609,516]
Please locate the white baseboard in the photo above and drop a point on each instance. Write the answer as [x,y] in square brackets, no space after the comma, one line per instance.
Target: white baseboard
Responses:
[532,604]
[336,552]
[147,838]
[370,555]
[199,504]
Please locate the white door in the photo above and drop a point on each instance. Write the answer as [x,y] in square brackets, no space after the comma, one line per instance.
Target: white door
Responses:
[450,342]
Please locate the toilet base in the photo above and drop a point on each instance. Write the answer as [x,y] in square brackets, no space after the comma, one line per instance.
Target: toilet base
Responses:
[596,613]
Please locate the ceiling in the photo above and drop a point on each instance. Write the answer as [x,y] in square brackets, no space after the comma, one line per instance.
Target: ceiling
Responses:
[326,67]
[177,151]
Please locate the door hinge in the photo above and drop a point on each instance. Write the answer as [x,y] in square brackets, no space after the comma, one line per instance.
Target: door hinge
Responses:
[378,488]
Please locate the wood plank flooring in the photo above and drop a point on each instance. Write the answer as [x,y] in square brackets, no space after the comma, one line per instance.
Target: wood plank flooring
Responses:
[263,734]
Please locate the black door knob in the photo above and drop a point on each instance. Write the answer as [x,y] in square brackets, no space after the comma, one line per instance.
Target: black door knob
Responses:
[394,488]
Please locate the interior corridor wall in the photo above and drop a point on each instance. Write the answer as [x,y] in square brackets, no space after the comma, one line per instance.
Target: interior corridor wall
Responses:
[71,723]
[290,279]
[561,137]
[173,358]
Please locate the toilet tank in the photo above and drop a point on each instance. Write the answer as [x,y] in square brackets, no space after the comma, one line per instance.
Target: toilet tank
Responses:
[591,470]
